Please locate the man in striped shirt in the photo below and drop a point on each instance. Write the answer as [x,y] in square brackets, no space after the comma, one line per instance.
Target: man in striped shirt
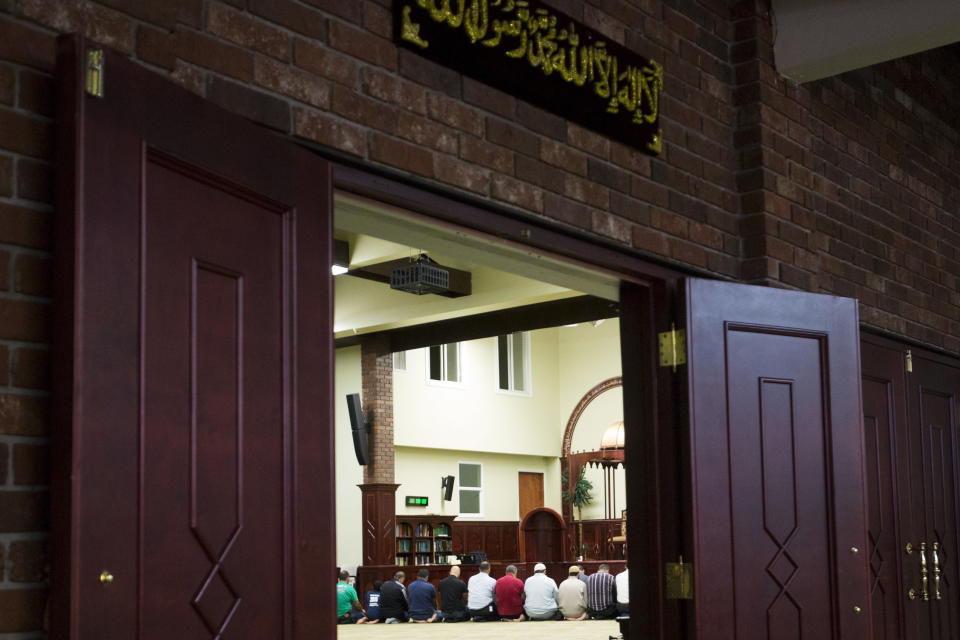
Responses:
[601,594]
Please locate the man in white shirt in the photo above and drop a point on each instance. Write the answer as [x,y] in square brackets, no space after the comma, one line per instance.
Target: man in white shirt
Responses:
[623,592]
[480,604]
[572,596]
[540,601]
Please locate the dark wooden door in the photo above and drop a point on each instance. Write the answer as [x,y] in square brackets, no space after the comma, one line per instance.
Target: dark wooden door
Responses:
[776,460]
[531,491]
[934,389]
[888,494]
[195,369]
[542,531]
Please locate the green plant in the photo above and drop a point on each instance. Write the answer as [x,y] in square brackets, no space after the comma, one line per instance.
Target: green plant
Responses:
[578,497]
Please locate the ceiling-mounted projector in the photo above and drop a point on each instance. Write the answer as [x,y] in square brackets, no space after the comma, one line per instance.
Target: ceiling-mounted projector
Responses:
[421,276]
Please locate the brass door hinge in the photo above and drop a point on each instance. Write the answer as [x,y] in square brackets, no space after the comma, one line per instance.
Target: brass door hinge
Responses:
[95,72]
[673,347]
[909,361]
[679,580]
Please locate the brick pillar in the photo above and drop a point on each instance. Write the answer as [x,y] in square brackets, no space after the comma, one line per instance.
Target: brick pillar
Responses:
[378,509]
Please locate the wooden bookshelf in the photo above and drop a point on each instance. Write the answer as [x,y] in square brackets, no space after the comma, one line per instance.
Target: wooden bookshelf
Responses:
[423,540]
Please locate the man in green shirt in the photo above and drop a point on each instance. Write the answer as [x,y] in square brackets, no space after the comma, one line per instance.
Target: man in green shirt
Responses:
[349,609]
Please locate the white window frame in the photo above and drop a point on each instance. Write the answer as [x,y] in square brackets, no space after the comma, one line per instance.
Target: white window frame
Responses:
[443,365]
[527,368]
[479,489]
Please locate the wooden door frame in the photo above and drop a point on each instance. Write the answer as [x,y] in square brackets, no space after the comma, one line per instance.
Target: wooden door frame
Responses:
[655,501]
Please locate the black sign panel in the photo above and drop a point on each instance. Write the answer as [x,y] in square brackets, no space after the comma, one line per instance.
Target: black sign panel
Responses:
[542,56]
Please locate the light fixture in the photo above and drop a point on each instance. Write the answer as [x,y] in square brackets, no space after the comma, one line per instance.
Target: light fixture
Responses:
[341,258]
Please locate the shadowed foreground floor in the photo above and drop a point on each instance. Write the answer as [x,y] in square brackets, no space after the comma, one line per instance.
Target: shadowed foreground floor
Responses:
[585,630]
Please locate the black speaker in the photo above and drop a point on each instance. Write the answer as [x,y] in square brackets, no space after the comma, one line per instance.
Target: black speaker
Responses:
[359,428]
[447,488]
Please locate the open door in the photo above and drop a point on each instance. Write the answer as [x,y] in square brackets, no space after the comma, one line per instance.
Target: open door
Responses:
[193,448]
[778,530]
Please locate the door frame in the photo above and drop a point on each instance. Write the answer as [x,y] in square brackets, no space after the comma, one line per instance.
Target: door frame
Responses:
[655,499]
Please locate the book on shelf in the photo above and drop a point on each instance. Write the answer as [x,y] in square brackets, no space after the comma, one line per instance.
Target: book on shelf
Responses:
[404,530]
[424,530]
[441,529]
[401,561]
[424,559]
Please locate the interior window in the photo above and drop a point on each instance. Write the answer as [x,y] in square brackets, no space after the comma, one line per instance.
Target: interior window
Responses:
[471,487]
[445,362]
[513,361]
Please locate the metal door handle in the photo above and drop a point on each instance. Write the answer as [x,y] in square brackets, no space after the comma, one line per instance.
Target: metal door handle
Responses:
[924,579]
[936,571]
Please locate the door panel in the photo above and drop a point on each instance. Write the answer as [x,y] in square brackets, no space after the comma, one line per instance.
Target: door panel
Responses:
[531,491]
[200,366]
[884,423]
[935,387]
[777,464]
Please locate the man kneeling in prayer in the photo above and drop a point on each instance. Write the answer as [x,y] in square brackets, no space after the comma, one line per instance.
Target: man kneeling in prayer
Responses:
[540,595]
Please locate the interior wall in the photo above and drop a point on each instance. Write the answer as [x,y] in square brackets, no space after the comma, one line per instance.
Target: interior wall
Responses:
[419,471]
[349,474]
[587,355]
[474,415]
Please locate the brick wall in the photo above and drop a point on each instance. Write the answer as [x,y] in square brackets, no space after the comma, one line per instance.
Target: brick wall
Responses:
[848,185]
[376,380]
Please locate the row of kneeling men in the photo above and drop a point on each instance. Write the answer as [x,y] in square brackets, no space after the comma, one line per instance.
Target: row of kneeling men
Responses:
[485,599]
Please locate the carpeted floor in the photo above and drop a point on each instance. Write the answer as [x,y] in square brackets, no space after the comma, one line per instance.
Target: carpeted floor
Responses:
[585,630]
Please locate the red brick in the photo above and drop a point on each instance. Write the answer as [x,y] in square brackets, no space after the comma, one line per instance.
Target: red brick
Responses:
[293,16]
[36,93]
[26,135]
[31,465]
[588,141]
[650,240]
[28,561]
[611,226]
[4,377]
[190,78]
[688,253]
[560,155]
[256,105]
[378,20]
[30,369]
[327,130]
[604,23]
[391,88]
[362,110]
[4,270]
[566,210]
[363,45]
[24,320]
[401,155]
[156,46]
[352,11]
[540,174]
[162,14]
[608,175]
[290,81]
[22,511]
[455,114]
[34,180]
[25,227]
[426,132]
[212,54]
[630,159]
[509,135]
[484,153]
[22,610]
[242,29]
[630,208]
[33,275]
[519,193]
[327,63]
[486,97]
[541,121]
[25,45]
[430,74]
[23,415]
[8,84]
[586,191]
[462,174]
[100,24]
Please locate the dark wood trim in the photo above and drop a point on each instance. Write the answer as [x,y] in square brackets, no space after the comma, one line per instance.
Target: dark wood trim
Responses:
[494,323]
[68,189]
[895,341]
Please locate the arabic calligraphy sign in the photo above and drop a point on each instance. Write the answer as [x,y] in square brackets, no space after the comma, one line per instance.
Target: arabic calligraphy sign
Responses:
[542,56]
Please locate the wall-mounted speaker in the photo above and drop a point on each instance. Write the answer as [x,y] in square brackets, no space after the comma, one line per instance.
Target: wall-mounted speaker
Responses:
[359,428]
[447,485]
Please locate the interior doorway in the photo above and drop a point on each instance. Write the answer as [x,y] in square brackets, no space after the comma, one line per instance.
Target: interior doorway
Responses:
[531,491]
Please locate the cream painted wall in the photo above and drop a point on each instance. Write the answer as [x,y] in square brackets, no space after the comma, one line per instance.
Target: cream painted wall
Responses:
[588,355]
[348,473]
[419,471]
[474,415]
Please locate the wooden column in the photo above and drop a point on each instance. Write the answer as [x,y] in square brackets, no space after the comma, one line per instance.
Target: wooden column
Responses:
[379,523]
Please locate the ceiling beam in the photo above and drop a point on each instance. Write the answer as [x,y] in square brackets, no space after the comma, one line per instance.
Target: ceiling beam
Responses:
[494,323]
